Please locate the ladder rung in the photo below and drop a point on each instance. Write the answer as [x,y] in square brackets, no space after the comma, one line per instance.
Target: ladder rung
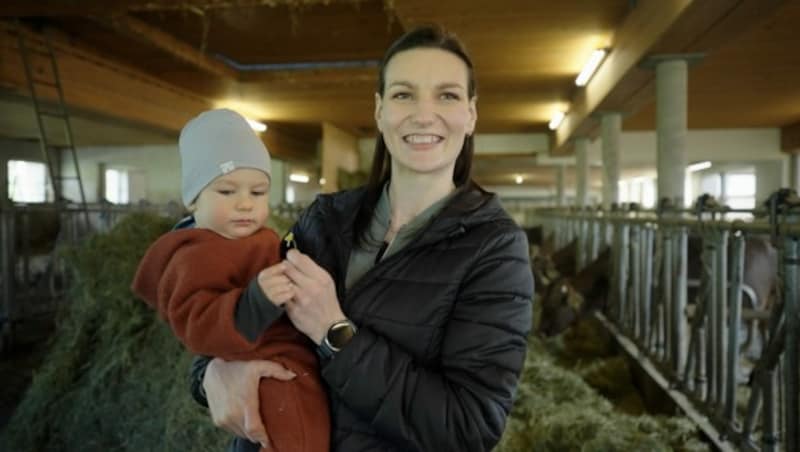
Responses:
[49,83]
[35,49]
[53,114]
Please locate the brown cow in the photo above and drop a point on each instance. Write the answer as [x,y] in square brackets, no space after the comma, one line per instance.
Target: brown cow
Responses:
[547,268]
[567,299]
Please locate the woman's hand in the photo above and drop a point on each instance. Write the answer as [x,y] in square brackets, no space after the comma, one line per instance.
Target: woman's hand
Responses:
[232,391]
[314,306]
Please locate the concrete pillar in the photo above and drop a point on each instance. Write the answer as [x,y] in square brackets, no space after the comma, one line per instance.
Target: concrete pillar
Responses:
[794,171]
[611,125]
[560,201]
[277,187]
[582,171]
[339,149]
[671,128]
[769,178]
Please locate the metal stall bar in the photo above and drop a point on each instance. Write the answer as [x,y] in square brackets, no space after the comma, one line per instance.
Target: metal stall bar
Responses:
[646,289]
[737,276]
[791,256]
[634,282]
[621,275]
[719,338]
[7,314]
[678,324]
[666,301]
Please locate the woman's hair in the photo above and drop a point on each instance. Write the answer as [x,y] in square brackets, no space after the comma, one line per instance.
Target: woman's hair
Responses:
[432,37]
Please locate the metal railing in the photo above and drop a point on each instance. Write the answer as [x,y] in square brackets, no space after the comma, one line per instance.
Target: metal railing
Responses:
[33,276]
[697,345]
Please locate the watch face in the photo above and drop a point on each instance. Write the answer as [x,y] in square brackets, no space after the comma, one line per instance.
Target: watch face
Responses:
[340,334]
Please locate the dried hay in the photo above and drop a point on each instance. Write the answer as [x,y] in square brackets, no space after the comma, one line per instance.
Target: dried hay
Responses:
[115,378]
[556,410]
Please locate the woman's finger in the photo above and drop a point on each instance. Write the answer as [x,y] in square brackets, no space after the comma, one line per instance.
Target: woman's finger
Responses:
[306,265]
[254,429]
[297,277]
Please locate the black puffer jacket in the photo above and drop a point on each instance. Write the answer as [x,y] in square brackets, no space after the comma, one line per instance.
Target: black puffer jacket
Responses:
[442,327]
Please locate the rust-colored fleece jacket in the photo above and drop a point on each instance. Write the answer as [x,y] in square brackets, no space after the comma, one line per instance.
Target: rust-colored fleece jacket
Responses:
[194,278]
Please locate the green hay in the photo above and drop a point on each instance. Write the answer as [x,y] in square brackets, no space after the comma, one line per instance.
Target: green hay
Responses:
[556,410]
[114,378]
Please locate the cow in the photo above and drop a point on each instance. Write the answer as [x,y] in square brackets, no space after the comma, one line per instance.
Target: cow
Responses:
[568,298]
[547,268]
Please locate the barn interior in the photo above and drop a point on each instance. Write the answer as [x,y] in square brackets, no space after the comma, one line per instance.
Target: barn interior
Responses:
[687,97]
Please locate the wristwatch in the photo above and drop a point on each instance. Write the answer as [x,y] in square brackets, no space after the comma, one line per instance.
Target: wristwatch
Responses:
[338,335]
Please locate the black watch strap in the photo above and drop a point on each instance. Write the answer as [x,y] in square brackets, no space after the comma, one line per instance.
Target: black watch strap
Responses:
[338,335]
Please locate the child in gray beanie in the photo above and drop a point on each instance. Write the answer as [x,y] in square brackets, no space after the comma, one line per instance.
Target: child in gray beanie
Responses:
[203,280]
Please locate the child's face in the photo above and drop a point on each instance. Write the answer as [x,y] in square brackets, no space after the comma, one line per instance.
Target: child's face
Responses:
[234,205]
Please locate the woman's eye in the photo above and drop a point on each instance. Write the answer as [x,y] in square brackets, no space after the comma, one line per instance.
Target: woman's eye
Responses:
[401,95]
[450,96]
[258,193]
[225,192]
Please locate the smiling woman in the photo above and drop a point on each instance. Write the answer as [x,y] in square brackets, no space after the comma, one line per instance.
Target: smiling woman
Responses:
[424,115]
[415,289]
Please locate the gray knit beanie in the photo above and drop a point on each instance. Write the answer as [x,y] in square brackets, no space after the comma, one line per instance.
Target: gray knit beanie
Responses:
[214,143]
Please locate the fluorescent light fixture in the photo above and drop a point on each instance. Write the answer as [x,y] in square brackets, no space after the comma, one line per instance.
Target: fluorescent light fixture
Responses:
[591,66]
[556,120]
[518,179]
[296,177]
[322,181]
[257,126]
[699,166]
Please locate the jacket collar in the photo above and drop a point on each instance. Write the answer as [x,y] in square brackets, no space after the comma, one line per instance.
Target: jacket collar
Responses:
[470,205]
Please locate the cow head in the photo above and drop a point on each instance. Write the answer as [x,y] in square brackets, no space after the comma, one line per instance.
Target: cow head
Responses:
[544,272]
[562,305]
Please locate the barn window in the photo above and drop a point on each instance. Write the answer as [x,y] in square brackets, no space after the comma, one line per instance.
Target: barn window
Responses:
[27,181]
[117,186]
[740,190]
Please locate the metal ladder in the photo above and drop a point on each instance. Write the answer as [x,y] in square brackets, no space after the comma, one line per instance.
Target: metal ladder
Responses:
[56,110]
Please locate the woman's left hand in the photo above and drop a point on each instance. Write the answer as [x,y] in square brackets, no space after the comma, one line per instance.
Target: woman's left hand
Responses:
[314,307]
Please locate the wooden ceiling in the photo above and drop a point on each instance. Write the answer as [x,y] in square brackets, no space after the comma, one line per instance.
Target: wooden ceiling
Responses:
[298,63]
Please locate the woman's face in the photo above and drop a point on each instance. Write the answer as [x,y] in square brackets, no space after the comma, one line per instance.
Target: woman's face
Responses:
[425,112]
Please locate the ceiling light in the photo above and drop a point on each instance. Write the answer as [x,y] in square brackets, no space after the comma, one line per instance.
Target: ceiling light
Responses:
[699,166]
[257,126]
[322,181]
[518,179]
[556,120]
[591,66]
[296,177]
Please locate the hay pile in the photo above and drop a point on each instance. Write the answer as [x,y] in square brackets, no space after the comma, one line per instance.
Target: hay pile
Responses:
[556,410]
[115,378]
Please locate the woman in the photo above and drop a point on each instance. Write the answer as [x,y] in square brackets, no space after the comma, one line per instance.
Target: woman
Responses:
[416,288]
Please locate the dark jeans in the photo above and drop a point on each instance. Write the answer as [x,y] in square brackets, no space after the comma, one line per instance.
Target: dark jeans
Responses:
[242,445]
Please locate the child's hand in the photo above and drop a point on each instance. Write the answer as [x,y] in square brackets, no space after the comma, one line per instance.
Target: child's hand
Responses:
[275,284]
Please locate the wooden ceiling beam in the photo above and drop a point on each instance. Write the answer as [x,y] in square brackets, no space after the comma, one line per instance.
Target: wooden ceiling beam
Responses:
[327,77]
[291,146]
[790,138]
[171,45]
[52,8]
[675,26]
[640,31]
[95,84]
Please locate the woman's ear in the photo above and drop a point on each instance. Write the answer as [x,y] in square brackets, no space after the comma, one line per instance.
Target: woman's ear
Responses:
[473,115]
[378,112]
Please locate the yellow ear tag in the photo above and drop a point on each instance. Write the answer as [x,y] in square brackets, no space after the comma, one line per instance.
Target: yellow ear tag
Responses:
[289,240]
